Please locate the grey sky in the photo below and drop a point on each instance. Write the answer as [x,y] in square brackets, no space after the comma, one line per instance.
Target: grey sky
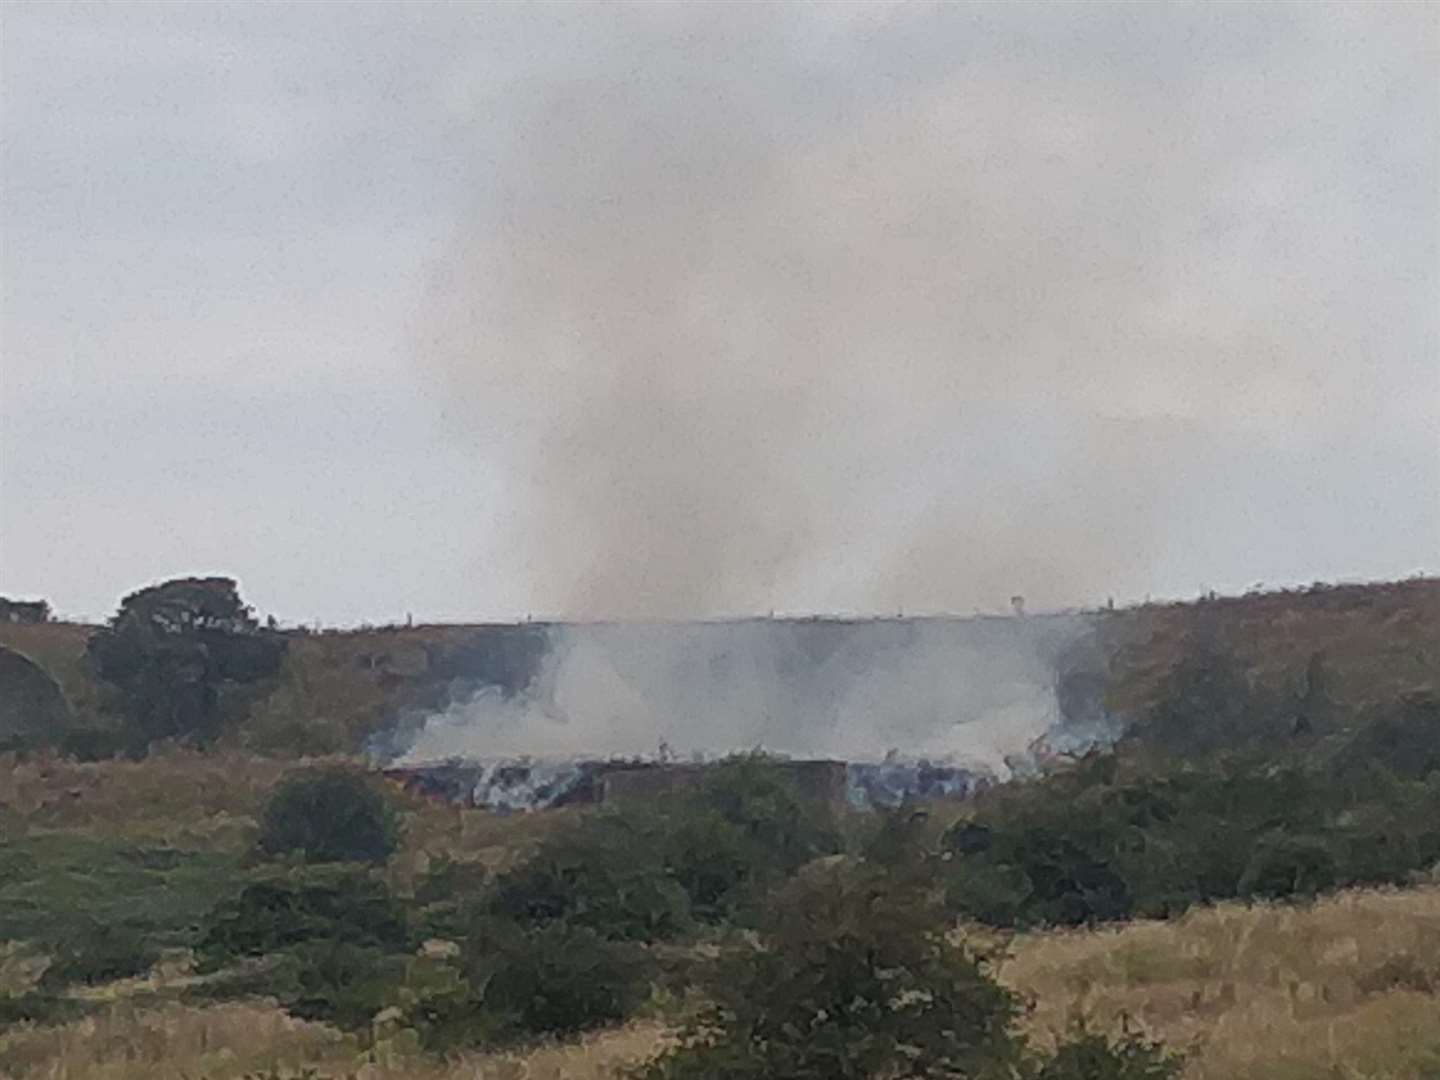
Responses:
[476,310]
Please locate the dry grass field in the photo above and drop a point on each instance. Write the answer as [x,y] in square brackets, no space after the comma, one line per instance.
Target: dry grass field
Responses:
[179,796]
[1346,989]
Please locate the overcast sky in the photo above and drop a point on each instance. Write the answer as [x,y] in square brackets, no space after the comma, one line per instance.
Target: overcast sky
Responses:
[472,311]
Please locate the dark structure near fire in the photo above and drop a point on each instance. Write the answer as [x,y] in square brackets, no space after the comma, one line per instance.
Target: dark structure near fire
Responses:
[862,712]
[521,785]
[545,785]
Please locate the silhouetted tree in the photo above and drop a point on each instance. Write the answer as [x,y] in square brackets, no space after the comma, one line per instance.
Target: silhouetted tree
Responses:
[175,651]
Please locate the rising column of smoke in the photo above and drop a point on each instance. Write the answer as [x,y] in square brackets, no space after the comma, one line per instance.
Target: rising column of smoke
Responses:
[890,307]
[742,336]
[873,306]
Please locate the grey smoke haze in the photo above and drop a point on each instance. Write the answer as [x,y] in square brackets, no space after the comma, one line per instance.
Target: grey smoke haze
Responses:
[944,689]
[911,306]
[643,310]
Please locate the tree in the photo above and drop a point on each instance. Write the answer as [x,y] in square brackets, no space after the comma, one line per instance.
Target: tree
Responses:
[854,976]
[177,653]
[329,815]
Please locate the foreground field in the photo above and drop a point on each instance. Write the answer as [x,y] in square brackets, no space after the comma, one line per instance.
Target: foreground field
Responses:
[1348,988]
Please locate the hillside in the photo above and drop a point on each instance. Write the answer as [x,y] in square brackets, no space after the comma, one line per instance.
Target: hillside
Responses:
[1377,642]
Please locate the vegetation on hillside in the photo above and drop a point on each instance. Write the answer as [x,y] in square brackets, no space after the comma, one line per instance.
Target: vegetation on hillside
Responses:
[336,691]
[1115,838]
[183,659]
[741,926]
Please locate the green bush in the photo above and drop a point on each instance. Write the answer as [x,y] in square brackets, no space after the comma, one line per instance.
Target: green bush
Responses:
[605,874]
[340,906]
[1089,1056]
[1117,837]
[1286,866]
[556,979]
[444,896]
[102,952]
[329,815]
[854,975]
[337,982]
[646,871]
[1404,737]
[744,827]
[39,1007]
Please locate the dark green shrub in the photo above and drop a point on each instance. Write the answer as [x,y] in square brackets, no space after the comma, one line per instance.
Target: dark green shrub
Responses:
[1127,837]
[854,975]
[337,982]
[997,894]
[446,1013]
[556,979]
[605,873]
[344,907]
[1089,1056]
[101,952]
[1403,737]
[39,1007]
[1205,704]
[743,827]
[1286,866]
[643,871]
[1039,865]
[329,815]
[445,895]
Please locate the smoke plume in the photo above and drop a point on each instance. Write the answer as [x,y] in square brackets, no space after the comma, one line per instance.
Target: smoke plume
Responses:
[871,307]
[948,690]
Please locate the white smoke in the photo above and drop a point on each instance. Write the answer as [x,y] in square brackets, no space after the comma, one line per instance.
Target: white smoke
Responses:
[948,690]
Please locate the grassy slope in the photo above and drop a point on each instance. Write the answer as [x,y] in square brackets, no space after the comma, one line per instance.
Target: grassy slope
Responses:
[1349,987]
[1380,641]
[58,648]
[1260,993]
[1274,993]
[1338,989]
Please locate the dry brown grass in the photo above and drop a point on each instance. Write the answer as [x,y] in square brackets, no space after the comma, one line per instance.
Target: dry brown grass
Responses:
[227,1042]
[496,841]
[1272,992]
[208,800]
[1380,641]
[212,801]
[1336,991]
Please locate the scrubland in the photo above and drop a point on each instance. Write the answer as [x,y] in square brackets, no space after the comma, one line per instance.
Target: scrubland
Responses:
[1276,801]
[1345,987]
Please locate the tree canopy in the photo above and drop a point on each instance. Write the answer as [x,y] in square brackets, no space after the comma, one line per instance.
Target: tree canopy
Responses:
[177,653]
